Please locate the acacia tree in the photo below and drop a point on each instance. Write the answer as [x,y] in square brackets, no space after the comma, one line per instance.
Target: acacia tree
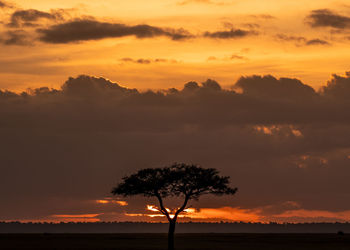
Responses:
[180,180]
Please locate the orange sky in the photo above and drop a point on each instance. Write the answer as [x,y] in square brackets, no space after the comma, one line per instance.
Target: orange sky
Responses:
[199,58]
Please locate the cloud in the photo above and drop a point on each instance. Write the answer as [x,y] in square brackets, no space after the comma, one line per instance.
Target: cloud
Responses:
[237,57]
[309,216]
[146,61]
[4,4]
[229,34]
[58,28]
[76,142]
[30,17]
[186,2]
[270,87]
[338,87]
[225,213]
[88,87]
[328,18]
[317,42]
[302,41]
[227,58]
[291,38]
[16,37]
[251,25]
[263,16]
[286,212]
[83,30]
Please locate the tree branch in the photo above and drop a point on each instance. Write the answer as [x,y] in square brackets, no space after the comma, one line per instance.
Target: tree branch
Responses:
[182,208]
[162,208]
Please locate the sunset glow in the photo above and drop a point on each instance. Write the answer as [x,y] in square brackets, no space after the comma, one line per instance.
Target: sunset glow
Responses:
[110,201]
[236,214]
[92,91]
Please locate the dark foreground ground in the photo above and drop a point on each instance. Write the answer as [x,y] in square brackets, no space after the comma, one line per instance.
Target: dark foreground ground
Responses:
[182,241]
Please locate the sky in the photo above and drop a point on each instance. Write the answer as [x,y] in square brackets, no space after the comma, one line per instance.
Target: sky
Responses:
[93,91]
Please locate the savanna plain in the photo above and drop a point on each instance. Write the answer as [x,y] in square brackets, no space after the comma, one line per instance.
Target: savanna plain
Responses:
[182,241]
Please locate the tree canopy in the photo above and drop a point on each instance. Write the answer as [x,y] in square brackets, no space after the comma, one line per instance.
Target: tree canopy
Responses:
[177,180]
[180,180]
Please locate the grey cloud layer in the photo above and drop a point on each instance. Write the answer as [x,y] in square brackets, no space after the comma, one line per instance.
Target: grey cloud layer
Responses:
[279,140]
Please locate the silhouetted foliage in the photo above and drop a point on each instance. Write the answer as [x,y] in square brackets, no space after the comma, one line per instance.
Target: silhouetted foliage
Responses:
[181,180]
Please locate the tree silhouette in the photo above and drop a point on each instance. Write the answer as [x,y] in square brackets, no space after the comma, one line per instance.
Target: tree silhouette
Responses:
[180,180]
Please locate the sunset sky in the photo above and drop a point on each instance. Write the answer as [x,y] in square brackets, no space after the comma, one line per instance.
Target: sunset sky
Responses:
[91,91]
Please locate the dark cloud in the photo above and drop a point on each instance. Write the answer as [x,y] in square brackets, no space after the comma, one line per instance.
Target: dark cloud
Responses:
[291,38]
[270,87]
[16,37]
[328,18]
[83,30]
[4,4]
[30,17]
[58,30]
[143,61]
[302,41]
[146,61]
[211,85]
[338,87]
[237,57]
[317,42]
[61,149]
[229,34]
[91,86]
[252,25]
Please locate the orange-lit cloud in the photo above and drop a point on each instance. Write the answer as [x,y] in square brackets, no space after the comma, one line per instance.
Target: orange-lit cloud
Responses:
[71,218]
[225,213]
[288,130]
[102,201]
[287,212]
[121,203]
[208,214]
[111,201]
[75,215]
[303,215]
[152,208]
[293,214]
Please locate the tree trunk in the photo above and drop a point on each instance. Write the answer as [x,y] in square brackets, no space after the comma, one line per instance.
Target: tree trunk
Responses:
[171,235]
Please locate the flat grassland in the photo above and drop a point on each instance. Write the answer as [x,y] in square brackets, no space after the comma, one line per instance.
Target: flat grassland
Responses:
[182,241]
